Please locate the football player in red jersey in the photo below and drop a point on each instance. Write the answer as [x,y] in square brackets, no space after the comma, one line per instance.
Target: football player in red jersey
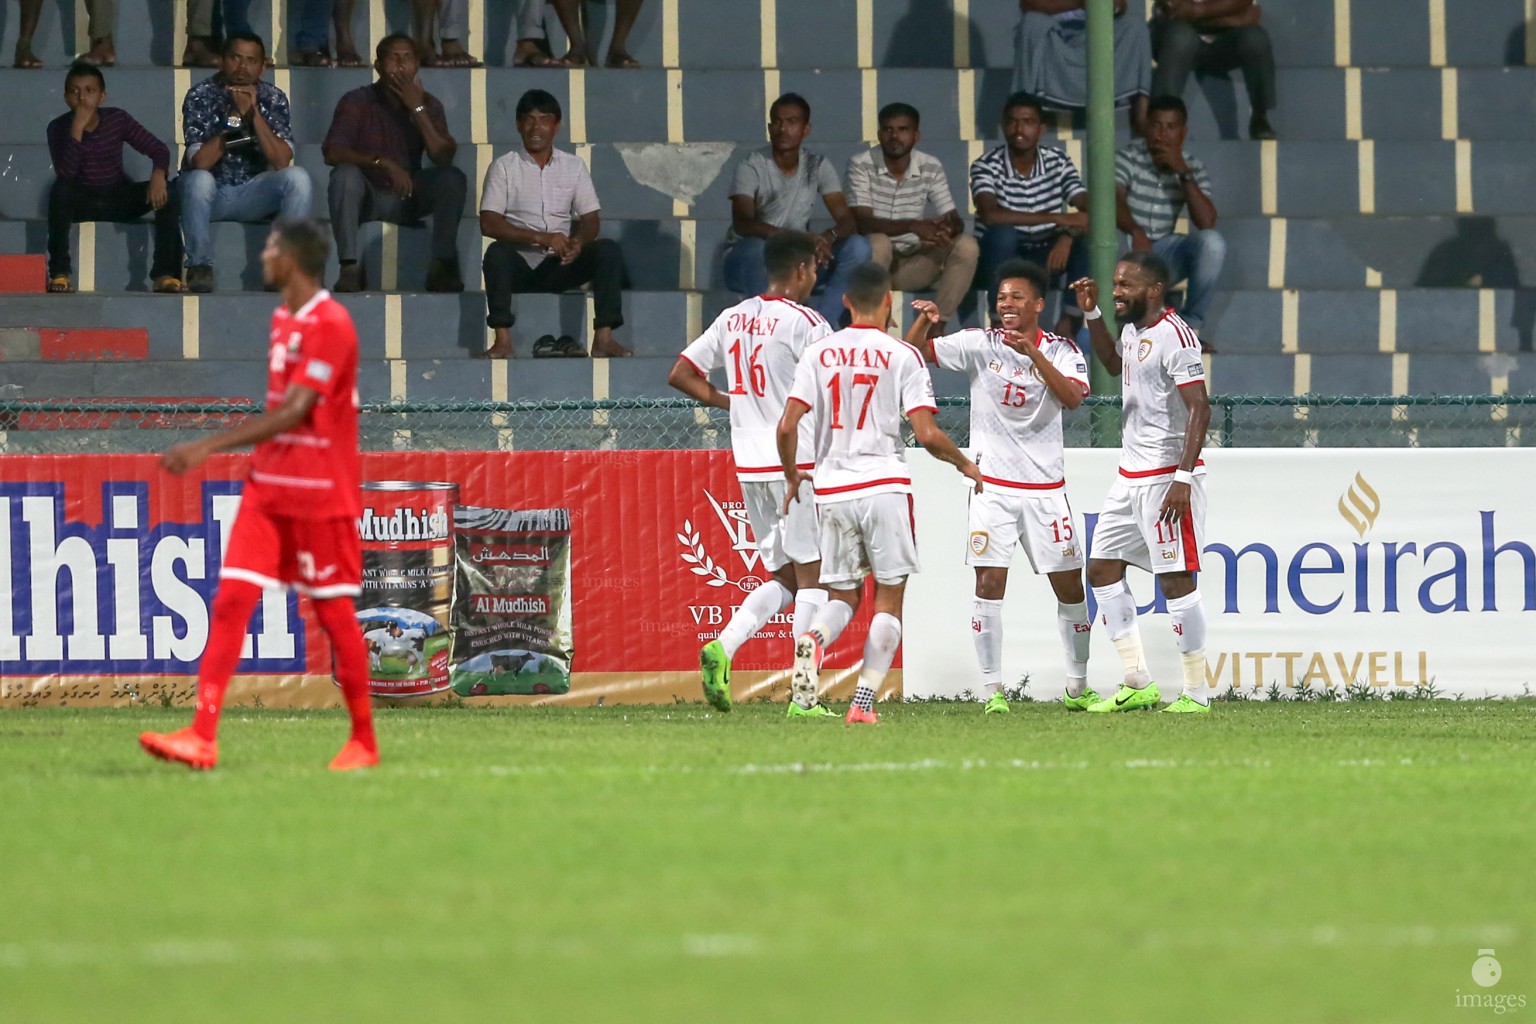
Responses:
[297,524]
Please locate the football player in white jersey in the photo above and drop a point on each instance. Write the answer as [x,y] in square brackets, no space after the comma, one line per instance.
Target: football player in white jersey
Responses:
[1154,516]
[858,383]
[758,343]
[1022,377]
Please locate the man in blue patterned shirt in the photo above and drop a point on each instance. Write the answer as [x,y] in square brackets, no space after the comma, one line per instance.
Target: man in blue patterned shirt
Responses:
[239,159]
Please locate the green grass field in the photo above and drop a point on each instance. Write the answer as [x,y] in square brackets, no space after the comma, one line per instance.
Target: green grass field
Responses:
[1295,862]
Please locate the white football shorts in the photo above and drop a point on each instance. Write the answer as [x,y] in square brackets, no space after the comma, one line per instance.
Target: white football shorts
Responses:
[1040,522]
[863,536]
[781,538]
[1129,530]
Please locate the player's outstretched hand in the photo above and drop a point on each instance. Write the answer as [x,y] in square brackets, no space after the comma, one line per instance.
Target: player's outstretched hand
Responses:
[183,457]
[1175,504]
[1087,290]
[927,309]
[971,473]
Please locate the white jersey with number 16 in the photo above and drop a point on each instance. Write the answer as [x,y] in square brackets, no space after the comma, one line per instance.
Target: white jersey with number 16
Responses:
[758,342]
[858,383]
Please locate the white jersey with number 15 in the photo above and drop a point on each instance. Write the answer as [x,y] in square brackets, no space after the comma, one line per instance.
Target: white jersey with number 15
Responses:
[858,383]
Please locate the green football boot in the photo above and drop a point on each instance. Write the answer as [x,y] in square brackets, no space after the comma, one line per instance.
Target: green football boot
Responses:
[817,710]
[996,704]
[1082,702]
[1187,705]
[715,665]
[1128,698]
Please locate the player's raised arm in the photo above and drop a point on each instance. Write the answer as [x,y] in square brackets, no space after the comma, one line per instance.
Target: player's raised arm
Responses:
[687,379]
[1104,346]
[295,406]
[932,437]
[922,327]
[1066,391]
[1176,503]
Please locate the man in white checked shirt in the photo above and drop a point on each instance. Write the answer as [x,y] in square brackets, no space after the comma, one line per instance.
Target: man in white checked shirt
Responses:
[1154,516]
[758,343]
[859,382]
[1021,377]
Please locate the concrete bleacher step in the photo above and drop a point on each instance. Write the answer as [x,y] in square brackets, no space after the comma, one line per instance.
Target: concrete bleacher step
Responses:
[54,344]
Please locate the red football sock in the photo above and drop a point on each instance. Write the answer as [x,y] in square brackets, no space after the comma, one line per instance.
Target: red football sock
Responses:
[338,617]
[232,608]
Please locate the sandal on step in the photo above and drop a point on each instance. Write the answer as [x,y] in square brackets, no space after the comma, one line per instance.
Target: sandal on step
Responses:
[60,284]
[169,285]
[563,347]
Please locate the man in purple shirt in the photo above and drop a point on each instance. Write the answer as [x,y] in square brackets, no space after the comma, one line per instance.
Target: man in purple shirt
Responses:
[377,138]
[87,150]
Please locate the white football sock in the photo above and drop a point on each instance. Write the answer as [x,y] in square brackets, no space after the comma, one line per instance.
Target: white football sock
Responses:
[879,649]
[1118,608]
[1188,614]
[761,605]
[1073,625]
[830,621]
[987,632]
[807,603]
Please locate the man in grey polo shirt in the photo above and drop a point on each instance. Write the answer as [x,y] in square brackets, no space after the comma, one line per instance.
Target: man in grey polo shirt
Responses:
[775,188]
[891,186]
[1154,182]
[540,209]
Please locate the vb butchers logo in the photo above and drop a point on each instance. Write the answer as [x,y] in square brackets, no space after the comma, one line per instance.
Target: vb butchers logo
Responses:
[1487,973]
[738,530]
[1360,505]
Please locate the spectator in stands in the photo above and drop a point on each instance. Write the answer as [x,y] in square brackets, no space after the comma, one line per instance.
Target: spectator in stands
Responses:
[1154,181]
[239,155]
[581,51]
[541,213]
[31,11]
[1215,37]
[1050,57]
[374,148]
[532,38]
[1031,204]
[87,150]
[890,187]
[775,188]
[203,36]
[448,20]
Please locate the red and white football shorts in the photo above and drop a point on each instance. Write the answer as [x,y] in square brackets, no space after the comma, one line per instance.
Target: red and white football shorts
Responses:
[781,538]
[1129,530]
[318,557]
[1041,522]
[873,536]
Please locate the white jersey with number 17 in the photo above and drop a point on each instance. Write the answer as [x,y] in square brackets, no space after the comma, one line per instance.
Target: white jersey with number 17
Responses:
[858,383]
[758,342]
[1155,363]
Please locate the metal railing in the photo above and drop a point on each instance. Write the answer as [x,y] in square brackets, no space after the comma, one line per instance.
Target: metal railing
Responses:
[1250,421]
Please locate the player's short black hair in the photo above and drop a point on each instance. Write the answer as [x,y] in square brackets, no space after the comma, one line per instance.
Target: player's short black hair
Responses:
[868,286]
[792,99]
[1168,103]
[390,40]
[1023,270]
[80,69]
[891,110]
[306,242]
[786,250]
[1150,264]
[243,37]
[537,101]
[1024,99]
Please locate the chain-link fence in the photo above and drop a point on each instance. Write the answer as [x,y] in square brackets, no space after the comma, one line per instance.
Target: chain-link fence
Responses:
[1249,421]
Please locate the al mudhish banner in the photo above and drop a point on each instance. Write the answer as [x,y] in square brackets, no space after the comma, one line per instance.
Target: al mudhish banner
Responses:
[110,567]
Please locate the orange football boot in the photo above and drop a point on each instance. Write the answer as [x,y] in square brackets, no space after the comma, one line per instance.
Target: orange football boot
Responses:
[858,716]
[184,746]
[352,756]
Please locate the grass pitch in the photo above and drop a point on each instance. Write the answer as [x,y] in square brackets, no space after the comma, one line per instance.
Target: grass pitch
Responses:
[1292,862]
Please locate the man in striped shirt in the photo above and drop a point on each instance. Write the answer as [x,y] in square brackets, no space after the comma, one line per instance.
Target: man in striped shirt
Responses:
[87,150]
[890,187]
[1031,204]
[1154,182]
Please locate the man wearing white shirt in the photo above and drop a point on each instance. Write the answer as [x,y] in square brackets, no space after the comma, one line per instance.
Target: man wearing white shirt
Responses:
[858,383]
[541,211]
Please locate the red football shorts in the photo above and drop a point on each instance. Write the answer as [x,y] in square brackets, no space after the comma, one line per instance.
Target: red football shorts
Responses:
[318,557]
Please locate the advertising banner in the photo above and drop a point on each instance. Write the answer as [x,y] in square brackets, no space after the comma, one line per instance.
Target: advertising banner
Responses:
[1322,568]
[108,568]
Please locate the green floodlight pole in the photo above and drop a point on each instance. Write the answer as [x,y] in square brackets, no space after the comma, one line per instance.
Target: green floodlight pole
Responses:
[1104,237]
